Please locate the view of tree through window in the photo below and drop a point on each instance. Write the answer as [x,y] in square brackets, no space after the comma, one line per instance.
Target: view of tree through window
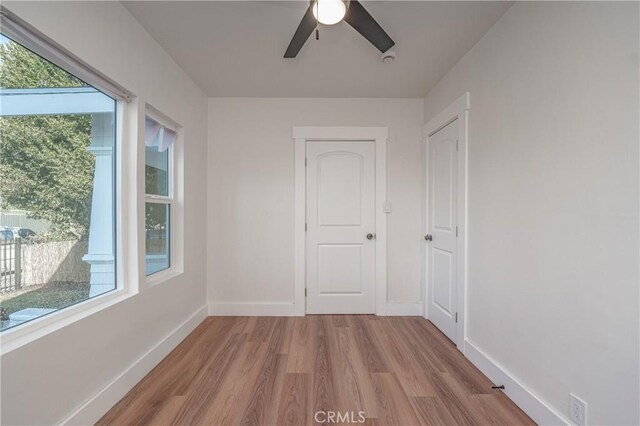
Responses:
[56,187]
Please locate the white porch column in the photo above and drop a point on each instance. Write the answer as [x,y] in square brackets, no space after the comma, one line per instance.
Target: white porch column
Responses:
[101,253]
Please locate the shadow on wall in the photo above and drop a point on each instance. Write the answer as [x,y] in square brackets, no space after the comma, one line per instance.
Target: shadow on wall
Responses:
[54,261]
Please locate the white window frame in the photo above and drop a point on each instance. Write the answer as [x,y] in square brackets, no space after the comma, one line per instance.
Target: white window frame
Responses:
[126,242]
[172,199]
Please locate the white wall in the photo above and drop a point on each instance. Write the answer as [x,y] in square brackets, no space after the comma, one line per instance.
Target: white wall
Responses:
[46,380]
[553,200]
[251,199]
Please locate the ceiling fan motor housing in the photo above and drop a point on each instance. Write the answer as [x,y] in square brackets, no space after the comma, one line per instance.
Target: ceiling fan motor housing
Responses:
[355,15]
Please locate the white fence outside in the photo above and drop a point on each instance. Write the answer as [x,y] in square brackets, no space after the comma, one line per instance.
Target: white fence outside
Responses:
[10,268]
[23,264]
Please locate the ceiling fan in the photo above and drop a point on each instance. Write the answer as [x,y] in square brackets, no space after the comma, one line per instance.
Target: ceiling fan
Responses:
[331,12]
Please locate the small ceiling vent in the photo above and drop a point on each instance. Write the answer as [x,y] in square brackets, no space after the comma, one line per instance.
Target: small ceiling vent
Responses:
[388,57]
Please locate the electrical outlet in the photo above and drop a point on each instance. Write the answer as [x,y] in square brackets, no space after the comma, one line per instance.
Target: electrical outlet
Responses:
[577,410]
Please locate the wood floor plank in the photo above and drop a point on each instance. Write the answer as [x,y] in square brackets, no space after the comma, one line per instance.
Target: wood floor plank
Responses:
[498,413]
[512,409]
[287,335]
[301,356]
[293,407]
[420,350]
[262,329]
[323,389]
[277,393]
[340,320]
[466,373]
[457,401]
[414,379]
[282,371]
[370,351]
[264,386]
[209,382]
[263,391]
[394,406]
[227,408]
[431,411]
[167,413]
[354,381]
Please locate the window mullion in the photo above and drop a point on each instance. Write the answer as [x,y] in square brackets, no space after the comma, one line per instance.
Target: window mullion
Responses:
[158,200]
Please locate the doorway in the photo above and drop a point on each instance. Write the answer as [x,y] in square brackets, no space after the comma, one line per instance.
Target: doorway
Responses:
[340,224]
[445,220]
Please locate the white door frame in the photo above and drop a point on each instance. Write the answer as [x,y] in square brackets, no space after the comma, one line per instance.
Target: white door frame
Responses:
[379,136]
[457,110]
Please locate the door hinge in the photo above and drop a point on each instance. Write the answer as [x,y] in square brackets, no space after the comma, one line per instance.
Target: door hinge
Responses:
[305,162]
[456,144]
[305,227]
[456,317]
[305,292]
[456,231]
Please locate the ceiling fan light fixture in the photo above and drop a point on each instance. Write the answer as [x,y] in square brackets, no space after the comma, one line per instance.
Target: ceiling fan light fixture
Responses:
[329,12]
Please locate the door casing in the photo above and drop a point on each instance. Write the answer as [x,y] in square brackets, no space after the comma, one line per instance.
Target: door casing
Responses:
[379,136]
[458,110]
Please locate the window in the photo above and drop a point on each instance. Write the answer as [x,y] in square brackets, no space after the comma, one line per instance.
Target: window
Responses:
[57,184]
[159,139]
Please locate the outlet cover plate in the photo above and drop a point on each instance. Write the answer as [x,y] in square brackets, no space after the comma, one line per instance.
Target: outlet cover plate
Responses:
[577,410]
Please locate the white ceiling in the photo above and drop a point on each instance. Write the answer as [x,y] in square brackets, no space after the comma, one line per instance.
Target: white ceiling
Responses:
[235,48]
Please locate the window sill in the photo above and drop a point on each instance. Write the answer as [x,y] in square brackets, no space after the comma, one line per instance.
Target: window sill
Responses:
[163,276]
[24,334]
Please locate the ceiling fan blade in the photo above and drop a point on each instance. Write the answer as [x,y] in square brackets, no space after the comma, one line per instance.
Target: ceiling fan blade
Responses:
[358,17]
[306,27]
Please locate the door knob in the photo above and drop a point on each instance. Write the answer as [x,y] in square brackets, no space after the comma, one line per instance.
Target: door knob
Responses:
[428,237]
[370,236]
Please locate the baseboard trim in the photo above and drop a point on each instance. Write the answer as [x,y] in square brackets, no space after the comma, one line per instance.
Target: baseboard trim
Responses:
[288,309]
[96,406]
[251,309]
[536,408]
[391,309]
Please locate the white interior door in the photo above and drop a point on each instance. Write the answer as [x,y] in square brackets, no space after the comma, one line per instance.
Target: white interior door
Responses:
[340,227]
[442,229]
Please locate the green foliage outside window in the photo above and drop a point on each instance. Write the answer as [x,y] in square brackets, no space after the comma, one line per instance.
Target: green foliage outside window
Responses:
[45,168]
